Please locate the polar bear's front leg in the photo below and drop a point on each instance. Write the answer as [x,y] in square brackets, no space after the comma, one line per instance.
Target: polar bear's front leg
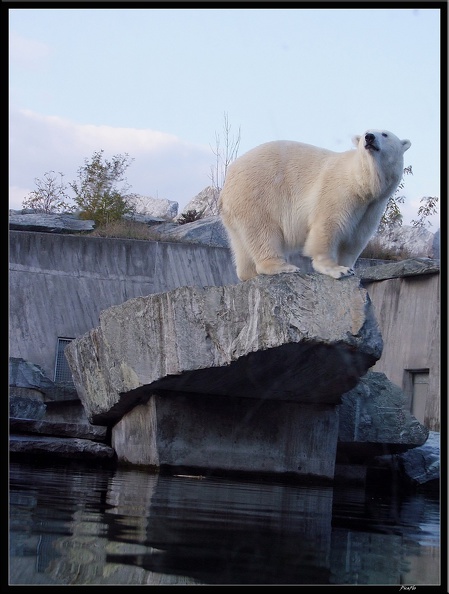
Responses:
[320,247]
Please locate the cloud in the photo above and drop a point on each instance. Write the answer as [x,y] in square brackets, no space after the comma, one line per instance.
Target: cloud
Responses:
[164,166]
[27,53]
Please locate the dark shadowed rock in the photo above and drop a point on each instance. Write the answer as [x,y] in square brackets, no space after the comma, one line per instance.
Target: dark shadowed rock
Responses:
[24,374]
[23,407]
[375,421]
[60,447]
[303,338]
[48,428]
[421,465]
[26,377]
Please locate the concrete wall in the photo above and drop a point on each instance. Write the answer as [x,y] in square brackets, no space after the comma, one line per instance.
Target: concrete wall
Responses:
[59,284]
[408,313]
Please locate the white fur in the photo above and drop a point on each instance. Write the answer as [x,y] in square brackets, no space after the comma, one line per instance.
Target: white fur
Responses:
[283,196]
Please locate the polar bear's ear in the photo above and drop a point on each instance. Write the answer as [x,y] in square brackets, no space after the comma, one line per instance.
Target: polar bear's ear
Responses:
[355,140]
[406,144]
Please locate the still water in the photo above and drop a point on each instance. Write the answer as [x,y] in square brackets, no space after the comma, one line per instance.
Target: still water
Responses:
[81,525]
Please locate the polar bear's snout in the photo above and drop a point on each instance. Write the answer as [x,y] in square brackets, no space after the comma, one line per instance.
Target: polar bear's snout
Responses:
[370,142]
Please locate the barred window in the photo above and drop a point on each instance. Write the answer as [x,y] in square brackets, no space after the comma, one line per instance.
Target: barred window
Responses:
[62,369]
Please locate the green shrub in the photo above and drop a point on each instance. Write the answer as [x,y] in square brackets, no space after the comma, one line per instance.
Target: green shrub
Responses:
[190,216]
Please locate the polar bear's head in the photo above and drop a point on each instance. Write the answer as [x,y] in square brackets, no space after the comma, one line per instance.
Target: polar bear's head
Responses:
[382,144]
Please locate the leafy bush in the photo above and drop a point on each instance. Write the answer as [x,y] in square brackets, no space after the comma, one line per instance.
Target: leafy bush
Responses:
[96,194]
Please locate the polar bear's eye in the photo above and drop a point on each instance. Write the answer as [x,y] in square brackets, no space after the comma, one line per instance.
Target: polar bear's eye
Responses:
[384,135]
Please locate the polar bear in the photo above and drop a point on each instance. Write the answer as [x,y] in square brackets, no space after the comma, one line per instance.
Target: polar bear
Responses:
[284,195]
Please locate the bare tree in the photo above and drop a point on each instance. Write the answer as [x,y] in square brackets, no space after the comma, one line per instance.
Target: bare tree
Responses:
[50,195]
[225,152]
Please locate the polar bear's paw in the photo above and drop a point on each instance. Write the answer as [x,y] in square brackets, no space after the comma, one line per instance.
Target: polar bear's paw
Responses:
[333,271]
[275,266]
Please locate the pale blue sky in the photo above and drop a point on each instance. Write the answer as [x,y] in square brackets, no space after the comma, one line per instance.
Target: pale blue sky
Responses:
[155,83]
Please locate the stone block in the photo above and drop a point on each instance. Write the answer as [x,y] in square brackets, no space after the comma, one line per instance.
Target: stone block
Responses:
[291,337]
[193,431]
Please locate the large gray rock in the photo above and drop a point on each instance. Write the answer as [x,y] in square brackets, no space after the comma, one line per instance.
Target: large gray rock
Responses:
[60,447]
[23,407]
[303,338]
[25,376]
[410,267]
[156,207]
[206,203]
[415,241]
[48,428]
[207,231]
[374,420]
[49,223]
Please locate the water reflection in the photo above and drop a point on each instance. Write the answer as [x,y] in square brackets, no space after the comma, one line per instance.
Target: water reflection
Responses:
[81,525]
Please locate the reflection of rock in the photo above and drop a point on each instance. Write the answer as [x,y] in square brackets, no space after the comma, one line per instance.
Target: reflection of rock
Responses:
[221,533]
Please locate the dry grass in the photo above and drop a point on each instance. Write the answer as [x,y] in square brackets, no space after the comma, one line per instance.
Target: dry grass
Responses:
[375,250]
[125,229]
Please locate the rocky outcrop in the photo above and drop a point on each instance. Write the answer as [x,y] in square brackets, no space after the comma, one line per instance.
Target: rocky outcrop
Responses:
[206,203]
[49,223]
[60,447]
[290,337]
[207,231]
[48,428]
[413,241]
[156,207]
[27,378]
[410,267]
[38,409]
